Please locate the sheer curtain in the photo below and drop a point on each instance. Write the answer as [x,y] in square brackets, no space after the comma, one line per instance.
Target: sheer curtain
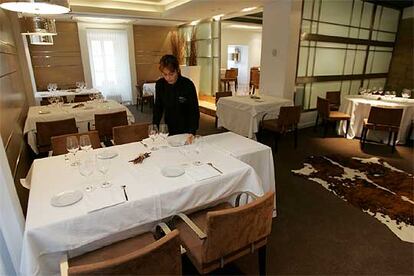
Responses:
[109,62]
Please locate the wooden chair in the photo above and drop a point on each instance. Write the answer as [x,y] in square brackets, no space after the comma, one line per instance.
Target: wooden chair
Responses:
[236,84]
[59,142]
[130,133]
[334,98]
[46,130]
[222,234]
[141,255]
[229,76]
[45,101]
[254,79]
[141,98]
[105,122]
[384,119]
[328,116]
[221,95]
[81,98]
[287,120]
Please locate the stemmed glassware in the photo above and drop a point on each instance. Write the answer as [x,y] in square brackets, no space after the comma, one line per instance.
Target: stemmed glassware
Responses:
[163,132]
[152,133]
[103,167]
[85,142]
[86,168]
[198,144]
[50,87]
[72,146]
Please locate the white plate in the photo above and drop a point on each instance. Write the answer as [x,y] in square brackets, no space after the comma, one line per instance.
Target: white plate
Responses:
[44,111]
[107,154]
[172,171]
[177,140]
[88,107]
[66,198]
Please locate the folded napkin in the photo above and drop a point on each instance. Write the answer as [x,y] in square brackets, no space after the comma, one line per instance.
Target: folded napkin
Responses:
[101,198]
[78,105]
[202,172]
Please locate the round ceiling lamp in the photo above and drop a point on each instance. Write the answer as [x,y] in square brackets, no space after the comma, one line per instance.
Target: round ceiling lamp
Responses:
[38,26]
[36,6]
[41,40]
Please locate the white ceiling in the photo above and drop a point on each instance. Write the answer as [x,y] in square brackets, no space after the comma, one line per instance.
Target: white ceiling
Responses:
[161,12]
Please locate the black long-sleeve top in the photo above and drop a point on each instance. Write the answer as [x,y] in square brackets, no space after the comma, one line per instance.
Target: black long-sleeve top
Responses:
[179,103]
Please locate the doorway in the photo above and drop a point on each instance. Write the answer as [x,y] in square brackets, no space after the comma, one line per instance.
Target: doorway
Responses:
[238,57]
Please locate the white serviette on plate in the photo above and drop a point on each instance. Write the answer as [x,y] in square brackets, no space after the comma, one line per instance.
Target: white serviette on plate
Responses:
[202,172]
[101,198]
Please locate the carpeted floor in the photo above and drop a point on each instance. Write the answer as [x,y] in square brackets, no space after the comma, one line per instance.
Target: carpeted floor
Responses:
[316,232]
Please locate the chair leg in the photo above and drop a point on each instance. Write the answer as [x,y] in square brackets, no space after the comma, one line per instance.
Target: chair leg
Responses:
[276,140]
[262,260]
[316,123]
[295,133]
[364,137]
[216,122]
[389,138]
[361,139]
[142,105]
[325,127]
[395,141]
[347,128]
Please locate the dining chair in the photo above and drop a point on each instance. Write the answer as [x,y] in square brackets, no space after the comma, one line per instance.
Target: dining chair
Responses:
[334,98]
[130,133]
[383,119]
[46,130]
[221,95]
[254,79]
[229,76]
[328,116]
[287,121]
[140,255]
[81,98]
[236,74]
[105,122]
[45,101]
[141,98]
[219,235]
[59,142]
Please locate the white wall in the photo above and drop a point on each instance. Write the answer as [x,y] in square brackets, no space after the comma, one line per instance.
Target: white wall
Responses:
[281,27]
[250,38]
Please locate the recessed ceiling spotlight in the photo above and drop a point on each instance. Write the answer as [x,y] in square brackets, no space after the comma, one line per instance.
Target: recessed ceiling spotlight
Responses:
[218,17]
[248,9]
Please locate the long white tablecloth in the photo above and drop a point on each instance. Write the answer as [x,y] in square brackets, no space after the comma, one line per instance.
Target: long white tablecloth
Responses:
[82,115]
[69,93]
[242,114]
[51,232]
[358,108]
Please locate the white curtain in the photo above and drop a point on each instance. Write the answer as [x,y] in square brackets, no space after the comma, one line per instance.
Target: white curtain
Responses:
[109,62]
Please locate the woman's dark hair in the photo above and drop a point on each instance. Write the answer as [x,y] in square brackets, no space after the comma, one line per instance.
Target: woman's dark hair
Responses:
[170,62]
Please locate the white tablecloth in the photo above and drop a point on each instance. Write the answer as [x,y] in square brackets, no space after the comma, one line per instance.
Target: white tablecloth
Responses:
[69,93]
[242,115]
[82,115]
[50,231]
[358,108]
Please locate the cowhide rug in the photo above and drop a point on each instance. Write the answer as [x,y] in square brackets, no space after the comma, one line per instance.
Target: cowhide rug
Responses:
[371,184]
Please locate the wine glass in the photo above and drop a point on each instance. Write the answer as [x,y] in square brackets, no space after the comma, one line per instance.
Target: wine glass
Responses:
[152,133]
[78,84]
[198,143]
[50,87]
[91,97]
[85,142]
[163,132]
[86,168]
[51,100]
[72,146]
[103,167]
[54,87]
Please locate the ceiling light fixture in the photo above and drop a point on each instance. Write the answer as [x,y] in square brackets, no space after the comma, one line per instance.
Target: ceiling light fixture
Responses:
[36,6]
[37,26]
[248,9]
[218,17]
[195,22]
[41,40]
[247,27]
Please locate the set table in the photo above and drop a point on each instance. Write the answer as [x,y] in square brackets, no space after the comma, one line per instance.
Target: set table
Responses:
[358,108]
[83,115]
[51,232]
[242,114]
[69,93]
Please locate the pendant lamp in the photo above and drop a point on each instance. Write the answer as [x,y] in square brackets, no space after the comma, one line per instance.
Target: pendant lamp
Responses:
[36,6]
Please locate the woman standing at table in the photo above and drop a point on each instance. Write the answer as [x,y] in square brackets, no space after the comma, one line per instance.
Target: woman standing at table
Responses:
[176,99]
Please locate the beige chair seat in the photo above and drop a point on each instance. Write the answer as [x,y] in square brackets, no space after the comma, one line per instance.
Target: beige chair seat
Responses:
[336,115]
[379,126]
[272,125]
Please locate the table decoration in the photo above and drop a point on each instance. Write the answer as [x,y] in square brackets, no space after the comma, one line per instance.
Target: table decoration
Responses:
[140,158]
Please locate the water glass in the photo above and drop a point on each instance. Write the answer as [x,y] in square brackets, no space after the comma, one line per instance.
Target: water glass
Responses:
[103,165]
[85,142]
[72,146]
[198,143]
[163,132]
[152,133]
[86,168]
[50,87]
[54,86]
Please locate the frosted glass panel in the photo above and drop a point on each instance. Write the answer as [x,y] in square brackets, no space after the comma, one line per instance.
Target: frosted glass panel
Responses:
[334,30]
[345,88]
[205,80]
[307,9]
[356,15]
[359,62]
[381,36]
[378,83]
[216,74]
[319,90]
[338,11]
[303,59]
[389,20]
[311,61]
[216,48]
[349,62]
[381,62]
[329,62]
[363,34]
[354,89]
[215,28]
[366,17]
[203,30]
[377,18]
[306,26]
[203,48]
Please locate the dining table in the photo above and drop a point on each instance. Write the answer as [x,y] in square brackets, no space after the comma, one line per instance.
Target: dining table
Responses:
[242,114]
[359,106]
[140,195]
[84,114]
[69,93]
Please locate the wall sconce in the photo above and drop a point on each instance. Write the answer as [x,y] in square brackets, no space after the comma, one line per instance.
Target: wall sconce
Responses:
[41,39]
[38,26]
[236,55]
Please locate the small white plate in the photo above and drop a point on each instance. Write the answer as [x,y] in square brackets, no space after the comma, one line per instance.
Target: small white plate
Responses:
[88,107]
[107,154]
[177,140]
[172,171]
[66,198]
[44,111]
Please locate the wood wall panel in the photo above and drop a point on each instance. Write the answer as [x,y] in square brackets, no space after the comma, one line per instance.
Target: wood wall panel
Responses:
[151,43]
[13,108]
[61,62]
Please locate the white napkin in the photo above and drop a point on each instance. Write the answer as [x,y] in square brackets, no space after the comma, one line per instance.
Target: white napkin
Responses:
[101,198]
[202,172]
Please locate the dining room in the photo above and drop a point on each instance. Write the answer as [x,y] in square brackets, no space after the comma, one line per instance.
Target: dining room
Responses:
[227,137]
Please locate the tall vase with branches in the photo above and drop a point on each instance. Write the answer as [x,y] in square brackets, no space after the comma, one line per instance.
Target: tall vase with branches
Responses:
[177,46]
[192,61]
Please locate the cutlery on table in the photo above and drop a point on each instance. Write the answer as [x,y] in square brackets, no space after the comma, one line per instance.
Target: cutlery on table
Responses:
[125,194]
[145,145]
[211,165]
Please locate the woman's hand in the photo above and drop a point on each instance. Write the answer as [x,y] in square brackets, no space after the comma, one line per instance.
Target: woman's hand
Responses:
[190,139]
